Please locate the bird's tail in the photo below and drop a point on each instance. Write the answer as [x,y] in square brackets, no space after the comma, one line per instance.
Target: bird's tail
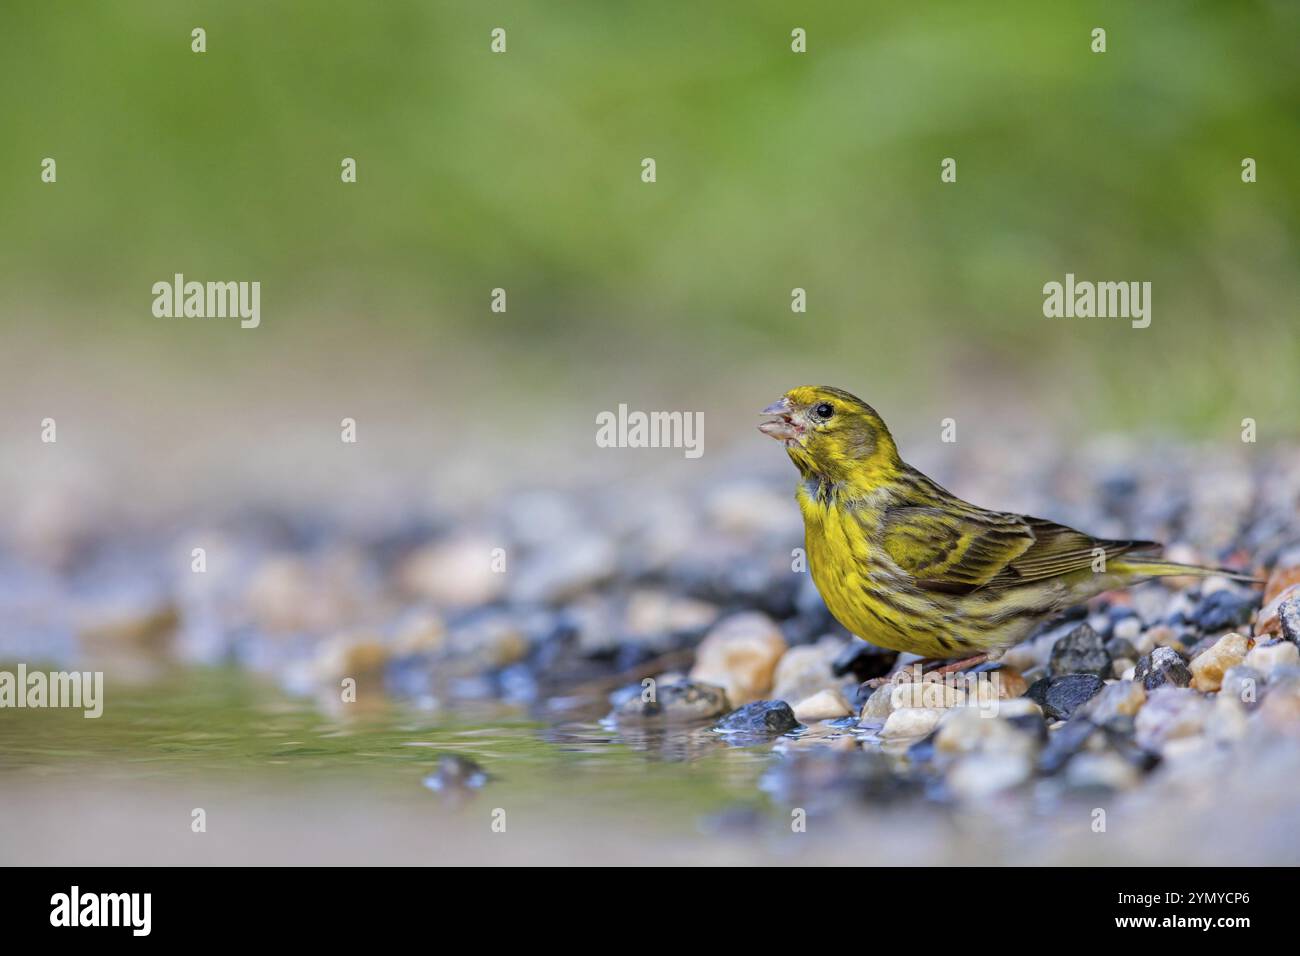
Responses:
[1157,568]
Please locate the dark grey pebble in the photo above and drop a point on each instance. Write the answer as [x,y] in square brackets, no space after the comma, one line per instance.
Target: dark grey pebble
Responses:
[760,717]
[1223,610]
[1118,647]
[1061,696]
[683,701]
[1082,651]
[864,661]
[1163,667]
[1064,743]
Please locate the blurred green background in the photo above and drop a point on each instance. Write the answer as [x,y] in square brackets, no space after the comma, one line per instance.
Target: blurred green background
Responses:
[775,170]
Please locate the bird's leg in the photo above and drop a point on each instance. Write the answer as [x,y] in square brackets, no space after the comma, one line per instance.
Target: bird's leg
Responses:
[953,666]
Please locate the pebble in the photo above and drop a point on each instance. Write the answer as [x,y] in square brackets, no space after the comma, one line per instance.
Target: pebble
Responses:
[1289,618]
[489,641]
[1121,647]
[1280,709]
[740,655]
[864,661]
[927,694]
[1104,770]
[759,717]
[1162,635]
[658,617]
[1224,609]
[453,573]
[824,705]
[1017,727]
[289,595]
[1061,696]
[1208,667]
[1123,698]
[1242,683]
[878,706]
[805,670]
[1170,713]
[148,628]
[912,722]
[1064,742]
[362,657]
[1163,667]
[561,571]
[1283,578]
[1271,620]
[1082,651]
[1228,719]
[1268,657]
[679,702]
[984,775]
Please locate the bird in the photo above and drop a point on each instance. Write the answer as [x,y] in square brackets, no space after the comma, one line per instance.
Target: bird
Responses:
[906,565]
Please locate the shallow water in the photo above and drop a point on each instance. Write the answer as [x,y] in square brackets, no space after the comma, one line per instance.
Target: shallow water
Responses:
[287,780]
[280,779]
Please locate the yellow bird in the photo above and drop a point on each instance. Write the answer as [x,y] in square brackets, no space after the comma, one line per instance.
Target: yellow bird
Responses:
[906,565]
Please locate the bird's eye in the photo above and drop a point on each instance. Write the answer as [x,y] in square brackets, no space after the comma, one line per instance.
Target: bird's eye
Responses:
[825,410]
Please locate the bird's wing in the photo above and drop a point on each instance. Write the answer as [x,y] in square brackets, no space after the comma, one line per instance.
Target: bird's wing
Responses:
[959,552]
[1061,550]
[947,550]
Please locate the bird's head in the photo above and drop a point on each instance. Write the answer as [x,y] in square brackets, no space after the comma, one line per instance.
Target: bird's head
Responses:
[831,434]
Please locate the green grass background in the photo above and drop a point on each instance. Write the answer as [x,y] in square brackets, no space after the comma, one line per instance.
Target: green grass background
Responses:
[775,170]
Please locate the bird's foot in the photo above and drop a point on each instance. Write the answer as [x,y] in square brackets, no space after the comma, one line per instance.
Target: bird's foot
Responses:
[928,669]
[951,666]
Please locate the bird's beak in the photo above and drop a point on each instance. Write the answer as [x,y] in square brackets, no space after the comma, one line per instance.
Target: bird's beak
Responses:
[784,428]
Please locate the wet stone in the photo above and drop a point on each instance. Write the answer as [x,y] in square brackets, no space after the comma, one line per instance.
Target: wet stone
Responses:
[1163,667]
[681,702]
[879,705]
[912,722]
[759,717]
[1061,696]
[1082,651]
[824,705]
